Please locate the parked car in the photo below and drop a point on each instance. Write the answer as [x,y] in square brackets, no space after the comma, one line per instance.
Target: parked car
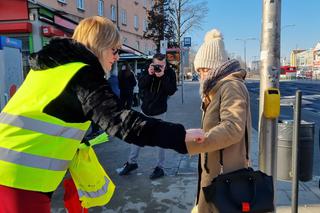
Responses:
[300,75]
[195,77]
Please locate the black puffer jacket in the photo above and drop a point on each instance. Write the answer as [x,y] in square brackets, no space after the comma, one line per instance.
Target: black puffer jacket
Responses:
[89,97]
[155,91]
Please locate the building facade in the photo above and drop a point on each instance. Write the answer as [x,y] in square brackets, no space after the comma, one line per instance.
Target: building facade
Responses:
[131,19]
[35,22]
[307,62]
[316,62]
[293,57]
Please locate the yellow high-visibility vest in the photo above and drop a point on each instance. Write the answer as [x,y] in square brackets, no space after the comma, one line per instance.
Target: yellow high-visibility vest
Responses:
[94,186]
[36,148]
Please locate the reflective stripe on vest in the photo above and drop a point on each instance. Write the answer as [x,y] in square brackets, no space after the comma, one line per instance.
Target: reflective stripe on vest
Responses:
[40,126]
[103,190]
[33,160]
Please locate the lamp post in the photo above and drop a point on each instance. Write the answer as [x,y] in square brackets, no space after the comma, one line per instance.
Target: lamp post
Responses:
[282,28]
[244,49]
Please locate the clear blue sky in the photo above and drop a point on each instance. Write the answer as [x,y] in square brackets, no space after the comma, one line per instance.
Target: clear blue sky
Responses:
[243,19]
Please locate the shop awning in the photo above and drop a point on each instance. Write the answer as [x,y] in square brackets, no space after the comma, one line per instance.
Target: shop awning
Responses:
[127,49]
[129,53]
[17,27]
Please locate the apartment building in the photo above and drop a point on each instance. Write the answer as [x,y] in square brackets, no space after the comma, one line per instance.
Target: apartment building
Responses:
[35,22]
[131,18]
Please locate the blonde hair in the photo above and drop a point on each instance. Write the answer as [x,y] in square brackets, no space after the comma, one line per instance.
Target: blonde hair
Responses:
[97,33]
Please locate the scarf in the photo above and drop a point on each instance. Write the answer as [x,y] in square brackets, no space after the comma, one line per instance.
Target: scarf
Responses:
[217,74]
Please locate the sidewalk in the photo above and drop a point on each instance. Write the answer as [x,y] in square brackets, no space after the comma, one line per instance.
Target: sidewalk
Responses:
[174,193]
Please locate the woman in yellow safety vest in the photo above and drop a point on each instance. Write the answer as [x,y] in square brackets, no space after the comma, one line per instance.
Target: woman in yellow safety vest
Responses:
[43,124]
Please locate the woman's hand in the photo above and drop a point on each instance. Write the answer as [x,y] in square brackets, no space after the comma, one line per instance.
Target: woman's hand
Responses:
[195,135]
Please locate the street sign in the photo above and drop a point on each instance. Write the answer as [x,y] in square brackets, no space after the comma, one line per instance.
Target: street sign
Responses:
[187,41]
[163,46]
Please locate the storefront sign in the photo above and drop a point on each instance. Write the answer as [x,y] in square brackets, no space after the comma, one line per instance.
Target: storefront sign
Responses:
[49,31]
[10,42]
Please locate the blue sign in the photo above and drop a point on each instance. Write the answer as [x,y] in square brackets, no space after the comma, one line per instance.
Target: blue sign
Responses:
[187,41]
[10,42]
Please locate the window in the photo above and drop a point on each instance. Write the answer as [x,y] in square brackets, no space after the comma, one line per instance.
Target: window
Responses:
[113,13]
[62,1]
[137,45]
[145,3]
[80,4]
[125,40]
[145,25]
[100,7]
[123,17]
[136,22]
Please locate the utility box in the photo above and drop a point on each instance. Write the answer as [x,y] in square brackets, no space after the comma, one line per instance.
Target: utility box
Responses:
[11,68]
[305,149]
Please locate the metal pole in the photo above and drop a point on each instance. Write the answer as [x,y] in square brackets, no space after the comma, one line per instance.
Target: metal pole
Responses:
[245,56]
[245,49]
[295,153]
[117,9]
[269,77]
[181,70]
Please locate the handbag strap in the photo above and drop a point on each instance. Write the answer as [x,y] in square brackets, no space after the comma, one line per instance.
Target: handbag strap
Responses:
[247,151]
[246,145]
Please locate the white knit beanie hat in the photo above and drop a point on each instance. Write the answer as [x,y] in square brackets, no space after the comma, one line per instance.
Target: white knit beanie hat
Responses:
[212,52]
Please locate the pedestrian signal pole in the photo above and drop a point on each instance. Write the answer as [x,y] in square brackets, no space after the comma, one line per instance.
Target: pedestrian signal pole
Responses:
[181,69]
[269,78]
[184,44]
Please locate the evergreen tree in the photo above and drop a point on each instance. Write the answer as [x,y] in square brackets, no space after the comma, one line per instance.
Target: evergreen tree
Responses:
[160,24]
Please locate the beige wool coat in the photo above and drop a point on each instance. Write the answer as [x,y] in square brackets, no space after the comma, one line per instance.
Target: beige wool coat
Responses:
[226,113]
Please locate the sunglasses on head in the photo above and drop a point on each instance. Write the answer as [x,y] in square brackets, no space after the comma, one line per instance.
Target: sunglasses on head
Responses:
[115,51]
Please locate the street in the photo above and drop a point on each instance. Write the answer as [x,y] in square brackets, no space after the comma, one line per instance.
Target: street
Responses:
[310,107]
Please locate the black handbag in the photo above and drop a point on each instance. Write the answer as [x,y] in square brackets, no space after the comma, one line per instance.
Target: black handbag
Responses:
[243,190]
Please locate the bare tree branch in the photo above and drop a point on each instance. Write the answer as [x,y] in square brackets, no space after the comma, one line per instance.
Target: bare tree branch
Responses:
[188,15]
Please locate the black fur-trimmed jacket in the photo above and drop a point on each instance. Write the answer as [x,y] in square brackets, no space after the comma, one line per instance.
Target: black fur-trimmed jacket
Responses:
[88,96]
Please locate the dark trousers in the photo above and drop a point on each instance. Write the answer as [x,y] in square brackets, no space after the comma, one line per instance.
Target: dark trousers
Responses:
[126,99]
